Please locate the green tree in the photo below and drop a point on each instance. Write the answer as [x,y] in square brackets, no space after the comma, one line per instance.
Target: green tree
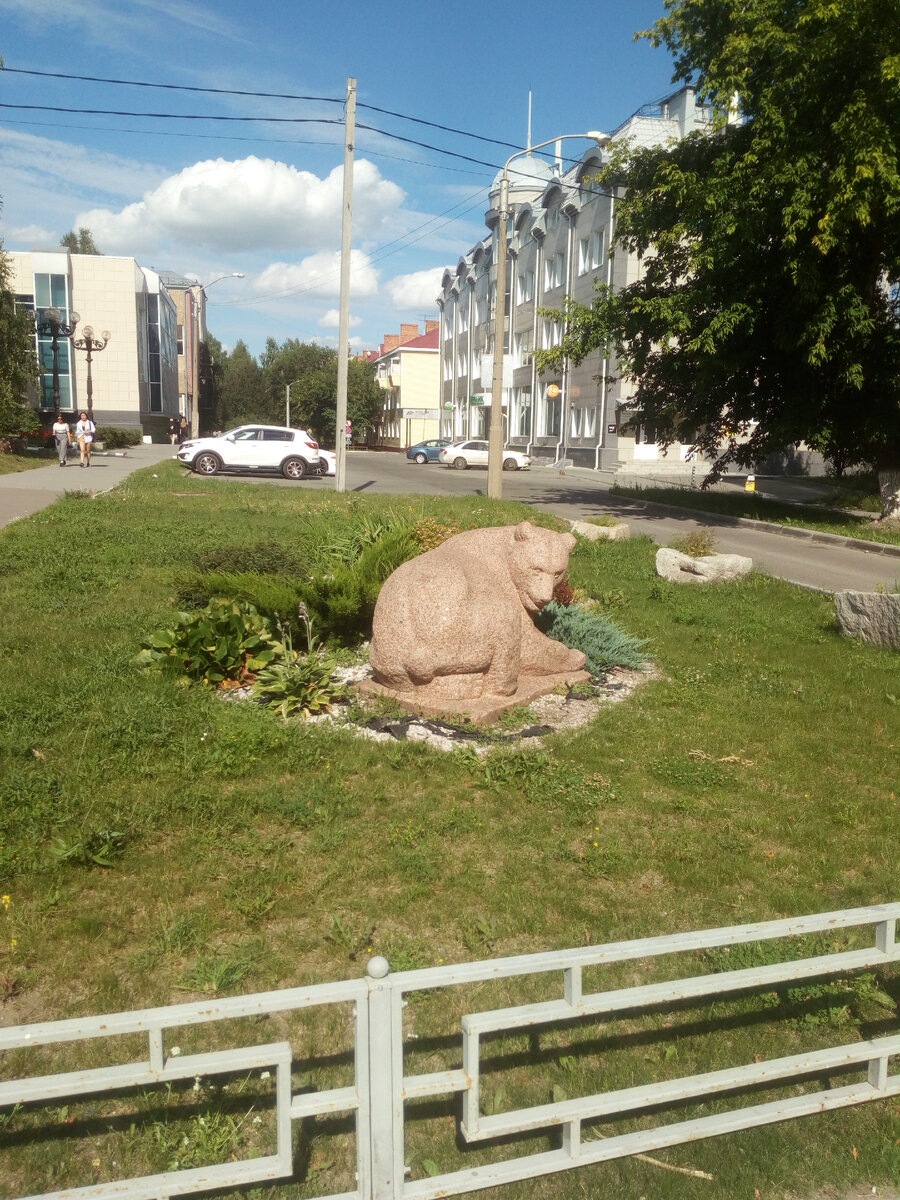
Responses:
[767,309]
[18,364]
[81,242]
[241,394]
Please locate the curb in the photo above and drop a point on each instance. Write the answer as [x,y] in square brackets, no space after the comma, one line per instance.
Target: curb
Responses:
[809,535]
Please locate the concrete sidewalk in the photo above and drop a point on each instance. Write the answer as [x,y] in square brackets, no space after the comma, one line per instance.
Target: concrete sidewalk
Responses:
[27,492]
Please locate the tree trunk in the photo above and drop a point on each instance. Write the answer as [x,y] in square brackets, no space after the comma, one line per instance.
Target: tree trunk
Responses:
[889,485]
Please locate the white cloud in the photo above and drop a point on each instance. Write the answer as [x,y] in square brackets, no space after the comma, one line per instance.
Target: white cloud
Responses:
[318,275]
[46,162]
[32,235]
[332,320]
[416,291]
[249,203]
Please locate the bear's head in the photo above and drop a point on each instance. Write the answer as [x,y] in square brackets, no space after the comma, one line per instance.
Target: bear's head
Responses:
[538,559]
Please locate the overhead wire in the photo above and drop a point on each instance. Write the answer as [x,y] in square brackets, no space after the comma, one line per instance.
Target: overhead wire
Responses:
[183,87]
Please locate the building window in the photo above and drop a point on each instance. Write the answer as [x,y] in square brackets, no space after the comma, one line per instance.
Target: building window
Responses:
[597,248]
[552,414]
[154,366]
[526,286]
[523,347]
[554,271]
[576,423]
[448,321]
[552,334]
[180,336]
[463,318]
[51,291]
[590,422]
[521,416]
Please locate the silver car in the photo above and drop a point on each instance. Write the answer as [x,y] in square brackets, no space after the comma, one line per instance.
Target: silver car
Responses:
[474,453]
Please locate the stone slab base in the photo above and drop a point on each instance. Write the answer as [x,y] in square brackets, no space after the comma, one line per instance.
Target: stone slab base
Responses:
[480,710]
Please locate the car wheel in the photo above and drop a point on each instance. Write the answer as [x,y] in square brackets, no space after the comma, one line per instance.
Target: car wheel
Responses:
[207,464]
[510,464]
[293,468]
[421,458]
[460,464]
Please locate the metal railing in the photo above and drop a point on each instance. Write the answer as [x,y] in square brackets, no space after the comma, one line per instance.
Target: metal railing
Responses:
[377,1100]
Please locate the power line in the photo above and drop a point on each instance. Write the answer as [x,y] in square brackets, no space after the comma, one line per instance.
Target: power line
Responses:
[182,87]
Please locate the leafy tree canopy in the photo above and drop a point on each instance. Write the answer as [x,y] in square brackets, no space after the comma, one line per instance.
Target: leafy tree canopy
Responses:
[767,304]
[81,242]
[251,390]
[18,365]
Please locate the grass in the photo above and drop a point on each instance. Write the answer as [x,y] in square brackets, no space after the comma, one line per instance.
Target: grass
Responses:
[756,777]
[760,508]
[10,464]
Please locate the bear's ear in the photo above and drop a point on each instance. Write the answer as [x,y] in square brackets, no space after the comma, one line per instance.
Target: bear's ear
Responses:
[524,531]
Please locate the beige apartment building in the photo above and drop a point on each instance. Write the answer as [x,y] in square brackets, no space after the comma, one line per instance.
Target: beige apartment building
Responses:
[407,368]
[135,377]
[560,227]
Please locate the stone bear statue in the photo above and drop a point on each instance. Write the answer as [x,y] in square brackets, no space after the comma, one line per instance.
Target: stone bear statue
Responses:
[456,622]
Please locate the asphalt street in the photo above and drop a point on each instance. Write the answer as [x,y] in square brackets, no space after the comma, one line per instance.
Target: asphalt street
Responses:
[817,561]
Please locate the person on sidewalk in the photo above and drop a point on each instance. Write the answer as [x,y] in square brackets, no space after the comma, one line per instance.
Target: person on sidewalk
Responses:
[84,434]
[62,433]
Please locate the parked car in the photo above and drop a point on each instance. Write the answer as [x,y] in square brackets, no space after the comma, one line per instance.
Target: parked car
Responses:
[255,448]
[463,455]
[426,452]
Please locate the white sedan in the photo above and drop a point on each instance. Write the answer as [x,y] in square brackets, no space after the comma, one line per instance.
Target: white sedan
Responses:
[463,455]
[255,448]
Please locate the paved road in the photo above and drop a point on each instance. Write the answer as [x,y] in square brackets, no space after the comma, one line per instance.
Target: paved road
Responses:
[577,493]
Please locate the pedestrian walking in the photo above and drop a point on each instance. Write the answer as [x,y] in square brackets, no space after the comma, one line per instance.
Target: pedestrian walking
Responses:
[63,435]
[84,435]
[173,430]
[183,431]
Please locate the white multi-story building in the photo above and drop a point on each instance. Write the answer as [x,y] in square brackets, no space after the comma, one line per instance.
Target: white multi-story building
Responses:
[135,378]
[559,231]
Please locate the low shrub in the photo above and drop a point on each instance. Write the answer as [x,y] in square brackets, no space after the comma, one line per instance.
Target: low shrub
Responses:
[115,438]
[605,645]
[273,596]
[224,641]
[430,533]
[341,603]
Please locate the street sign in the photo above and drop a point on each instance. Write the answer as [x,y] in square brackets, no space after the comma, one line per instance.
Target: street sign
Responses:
[553,390]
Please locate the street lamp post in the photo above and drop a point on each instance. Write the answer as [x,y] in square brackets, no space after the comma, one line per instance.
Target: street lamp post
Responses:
[52,323]
[495,431]
[93,346]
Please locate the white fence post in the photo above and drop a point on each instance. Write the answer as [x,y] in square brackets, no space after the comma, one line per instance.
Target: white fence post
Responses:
[385,1082]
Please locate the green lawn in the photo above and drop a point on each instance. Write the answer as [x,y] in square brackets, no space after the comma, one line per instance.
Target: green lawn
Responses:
[11,463]
[748,504]
[756,777]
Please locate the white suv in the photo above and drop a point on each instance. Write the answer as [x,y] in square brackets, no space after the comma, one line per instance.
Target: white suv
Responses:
[255,448]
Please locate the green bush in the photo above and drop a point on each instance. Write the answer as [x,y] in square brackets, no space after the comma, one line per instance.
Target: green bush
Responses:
[18,419]
[605,645]
[342,602]
[115,438]
[272,596]
[225,641]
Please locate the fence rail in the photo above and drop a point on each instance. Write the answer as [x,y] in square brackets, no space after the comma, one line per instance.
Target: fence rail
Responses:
[376,1102]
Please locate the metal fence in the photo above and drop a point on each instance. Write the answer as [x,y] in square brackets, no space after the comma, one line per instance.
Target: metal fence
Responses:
[378,1098]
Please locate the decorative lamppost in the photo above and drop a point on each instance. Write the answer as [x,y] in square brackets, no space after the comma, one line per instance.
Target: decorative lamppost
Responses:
[495,430]
[92,345]
[49,321]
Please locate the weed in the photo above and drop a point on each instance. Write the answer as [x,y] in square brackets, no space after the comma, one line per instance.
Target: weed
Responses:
[92,848]
[699,543]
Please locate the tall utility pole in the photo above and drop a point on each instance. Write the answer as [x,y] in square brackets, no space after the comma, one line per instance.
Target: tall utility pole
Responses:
[340,441]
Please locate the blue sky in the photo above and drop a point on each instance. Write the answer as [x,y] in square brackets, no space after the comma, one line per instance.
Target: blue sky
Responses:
[209,197]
